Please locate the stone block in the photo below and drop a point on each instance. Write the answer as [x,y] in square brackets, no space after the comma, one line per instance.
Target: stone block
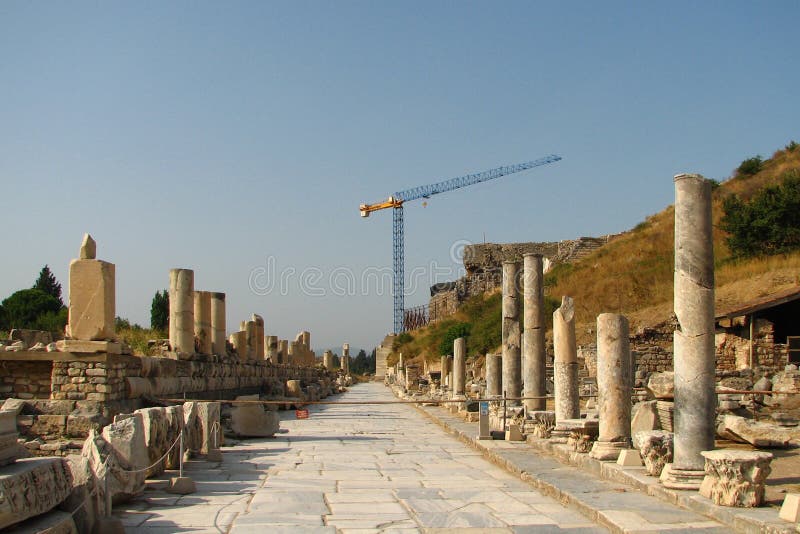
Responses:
[662,385]
[645,417]
[181,485]
[790,509]
[629,458]
[252,420]
[126,437]
[656,448]
[32,486]
[91,300]
[53,522]
[80,346]
[735,477]
[9,448]
[514,433]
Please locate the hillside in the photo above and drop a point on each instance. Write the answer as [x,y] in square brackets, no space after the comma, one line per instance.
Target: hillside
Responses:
[633,273]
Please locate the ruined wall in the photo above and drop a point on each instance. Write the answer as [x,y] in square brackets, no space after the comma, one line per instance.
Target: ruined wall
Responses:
[483,263]
[25,380]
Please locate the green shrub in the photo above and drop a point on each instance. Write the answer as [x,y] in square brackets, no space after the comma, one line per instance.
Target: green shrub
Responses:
[767,224]
[454,332]
[750,166]
[159,311]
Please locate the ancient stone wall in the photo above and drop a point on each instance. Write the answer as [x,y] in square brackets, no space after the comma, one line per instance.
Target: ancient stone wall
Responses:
[25,380]
[483,263]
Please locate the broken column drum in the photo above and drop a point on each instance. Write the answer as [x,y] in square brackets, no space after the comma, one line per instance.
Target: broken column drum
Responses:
[695,399]
[494,370]
[202,321]
[510,335]
[272,348]
[218,325]
[614,387]
[259,341]
[181,310]
[459,367]
[534,354]
[565,367]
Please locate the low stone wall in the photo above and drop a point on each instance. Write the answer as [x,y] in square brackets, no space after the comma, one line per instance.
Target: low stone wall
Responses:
[25,379]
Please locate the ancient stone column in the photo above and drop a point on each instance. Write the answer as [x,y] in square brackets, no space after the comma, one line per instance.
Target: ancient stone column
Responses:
[445,370]
[695,400]
[305,339]
[259,341]
[494,373]
[459,367]
[345,361]
[272,349]
[283,349]
[512,372]
[534,355]
[614,386]
[239,342]
[202,321]
[293,353]
[251,329]
[218,326]
[181,310]
[565,368]
[327,360]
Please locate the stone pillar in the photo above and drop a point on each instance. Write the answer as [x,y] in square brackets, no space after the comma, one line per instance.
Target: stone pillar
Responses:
[494,374]
[305,339]
[259,344]
[92,295]
[202,321]
[459,367]
[614,386]
[565,368]
[272,349]
[181,310]
[251,329]
[327,360]
[218,326]
[694,360]
[512,375]
[293,353]
[445,370]
[283,349]
[239,342]
[345,361]
[534,354]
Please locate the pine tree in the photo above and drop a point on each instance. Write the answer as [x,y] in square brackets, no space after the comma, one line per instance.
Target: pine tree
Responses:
[159,311]
[47,282]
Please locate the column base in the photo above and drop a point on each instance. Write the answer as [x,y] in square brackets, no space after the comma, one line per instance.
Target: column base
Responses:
[608,450]
[559,435]
[681,479]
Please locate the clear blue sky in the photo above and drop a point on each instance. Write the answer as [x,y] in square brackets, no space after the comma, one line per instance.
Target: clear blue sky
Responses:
[214,136]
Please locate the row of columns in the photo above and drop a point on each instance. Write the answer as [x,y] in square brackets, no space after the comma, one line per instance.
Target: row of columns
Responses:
[694,354]
[197,325]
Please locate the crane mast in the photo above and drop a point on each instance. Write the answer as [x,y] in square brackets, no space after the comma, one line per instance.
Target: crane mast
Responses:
[397,200]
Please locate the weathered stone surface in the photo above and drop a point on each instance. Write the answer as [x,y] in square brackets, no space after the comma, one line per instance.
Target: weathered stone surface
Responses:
[181,310]
[534,361]
[175,422]
[252,420]
[662,385]
[54,522]
[88,249]
[614,386]
[510,335]
[735,477]
[757,434]
[9,449]
[218,323]
[85,510]
[565,368]
[656,448]
[645,417]
[126,437]
[202,321]
[123,484]
[790,509]
[31,337]
[208,414]
[459,367]
[156,437]
[293,389]
[694,349]
[32,486]
[494,375]
[92,300]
